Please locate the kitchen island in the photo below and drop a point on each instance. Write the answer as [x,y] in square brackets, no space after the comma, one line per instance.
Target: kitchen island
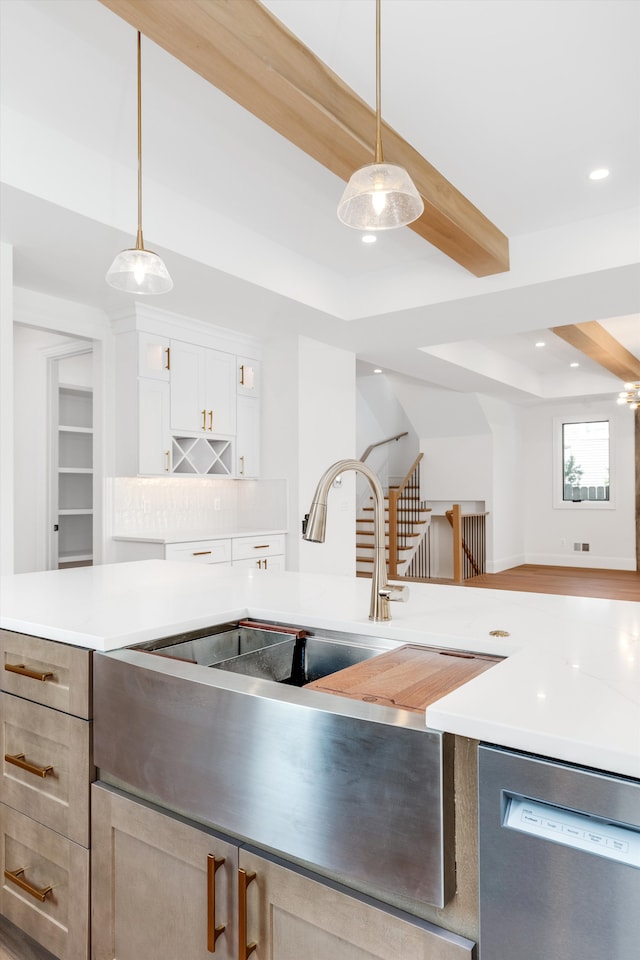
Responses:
[567,689]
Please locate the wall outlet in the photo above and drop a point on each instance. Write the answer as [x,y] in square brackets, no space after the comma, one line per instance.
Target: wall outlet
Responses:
[581,547]
[585,547]
[216,503]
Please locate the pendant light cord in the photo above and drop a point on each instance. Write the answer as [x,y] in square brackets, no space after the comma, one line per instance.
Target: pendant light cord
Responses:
[379,158]
[139,241]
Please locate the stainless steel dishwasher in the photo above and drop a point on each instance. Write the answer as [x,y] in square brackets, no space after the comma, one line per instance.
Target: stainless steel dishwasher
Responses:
[559,860]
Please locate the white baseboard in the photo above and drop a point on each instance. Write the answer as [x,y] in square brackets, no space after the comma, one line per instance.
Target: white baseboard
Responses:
[497,566]
[583,560]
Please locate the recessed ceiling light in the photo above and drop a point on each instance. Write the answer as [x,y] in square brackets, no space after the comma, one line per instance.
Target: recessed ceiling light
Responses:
[574,364]
[377,370]
[369,238]
[600,174]
[540,343]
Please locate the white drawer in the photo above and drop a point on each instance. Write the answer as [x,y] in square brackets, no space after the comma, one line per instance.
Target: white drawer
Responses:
[46,768]
[244,548]
[47,672]
[200,551]
[48,896]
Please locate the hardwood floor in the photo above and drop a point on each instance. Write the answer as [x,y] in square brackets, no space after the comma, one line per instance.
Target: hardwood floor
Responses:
[567,581]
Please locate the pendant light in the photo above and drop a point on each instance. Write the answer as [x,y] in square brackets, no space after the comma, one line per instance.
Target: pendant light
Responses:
[379,196]
[138,270]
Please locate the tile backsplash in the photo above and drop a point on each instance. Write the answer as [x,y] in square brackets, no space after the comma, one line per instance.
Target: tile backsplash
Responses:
[198,506]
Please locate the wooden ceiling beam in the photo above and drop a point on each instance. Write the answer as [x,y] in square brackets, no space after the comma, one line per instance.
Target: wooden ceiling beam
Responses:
[597,343]
[242,49]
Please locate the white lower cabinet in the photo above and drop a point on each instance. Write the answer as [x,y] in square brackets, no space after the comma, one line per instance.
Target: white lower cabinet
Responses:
[165,888]
[261,552]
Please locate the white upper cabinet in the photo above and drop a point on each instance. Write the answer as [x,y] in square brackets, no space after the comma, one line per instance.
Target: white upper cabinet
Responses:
[248,377]
[154,450]
[203,390]
[154,356]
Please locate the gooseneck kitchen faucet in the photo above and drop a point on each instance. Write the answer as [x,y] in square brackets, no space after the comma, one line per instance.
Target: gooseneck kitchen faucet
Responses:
[314,529]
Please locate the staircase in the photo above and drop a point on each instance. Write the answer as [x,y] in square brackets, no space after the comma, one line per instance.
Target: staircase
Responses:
[406,525]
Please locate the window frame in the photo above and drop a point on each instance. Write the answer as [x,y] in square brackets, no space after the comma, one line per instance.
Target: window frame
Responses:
[557,479]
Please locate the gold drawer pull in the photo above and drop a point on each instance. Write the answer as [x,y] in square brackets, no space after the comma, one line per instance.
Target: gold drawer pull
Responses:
[213,932]
[262,546]
[202,553]
[39,893]
[204,419]
[23,671]
[244,949]
[18,760]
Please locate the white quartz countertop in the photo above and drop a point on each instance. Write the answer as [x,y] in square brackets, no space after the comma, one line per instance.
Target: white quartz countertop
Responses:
[569,688]
[198,535]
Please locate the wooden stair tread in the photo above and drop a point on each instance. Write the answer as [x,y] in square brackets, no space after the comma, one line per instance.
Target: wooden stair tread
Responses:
[411,677]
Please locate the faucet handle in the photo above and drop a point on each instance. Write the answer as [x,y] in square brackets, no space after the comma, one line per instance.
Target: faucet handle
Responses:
[397,594]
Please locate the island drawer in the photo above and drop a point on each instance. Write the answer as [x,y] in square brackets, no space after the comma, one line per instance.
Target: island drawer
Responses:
[45,889]
[47,767]
[200,551]
[244,548]
[54,674]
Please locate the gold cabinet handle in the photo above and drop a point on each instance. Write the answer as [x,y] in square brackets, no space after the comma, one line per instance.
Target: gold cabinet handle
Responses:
[213,932]
[262,546]
[168,353]
[244,949]
[246,376]
[202,553]
[204,419]
[16,876]
[18,760]
[210,419]
[167,454]
[23,671]
[242,466]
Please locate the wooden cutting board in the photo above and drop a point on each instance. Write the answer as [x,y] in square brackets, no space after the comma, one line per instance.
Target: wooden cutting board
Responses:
[411,677]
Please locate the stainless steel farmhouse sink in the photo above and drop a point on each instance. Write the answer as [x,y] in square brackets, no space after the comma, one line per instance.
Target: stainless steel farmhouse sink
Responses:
[214,725]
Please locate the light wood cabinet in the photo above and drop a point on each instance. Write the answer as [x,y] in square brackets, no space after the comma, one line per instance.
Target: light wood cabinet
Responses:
[45,711]
[162,887]
[291,914]
[203,390]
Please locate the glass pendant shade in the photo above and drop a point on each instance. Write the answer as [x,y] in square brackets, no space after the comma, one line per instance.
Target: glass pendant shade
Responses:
[380,196]
[139,271]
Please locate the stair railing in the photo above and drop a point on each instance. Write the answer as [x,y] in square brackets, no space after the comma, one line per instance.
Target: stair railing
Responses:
[404,514]
[469,543]
[381,443]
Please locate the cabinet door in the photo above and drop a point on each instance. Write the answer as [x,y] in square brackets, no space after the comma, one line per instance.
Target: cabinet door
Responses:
[153,427]
[248,437]
[288,916]
[188,411]
[154,357]
[161,888]
[220,392]
[248,377]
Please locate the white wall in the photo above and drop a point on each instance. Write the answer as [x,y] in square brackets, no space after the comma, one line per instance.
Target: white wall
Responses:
[505,523]
[550,533]
[6,409]
[309,422]
[42,326]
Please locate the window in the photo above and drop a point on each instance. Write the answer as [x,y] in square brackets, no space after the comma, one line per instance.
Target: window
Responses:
[582,470]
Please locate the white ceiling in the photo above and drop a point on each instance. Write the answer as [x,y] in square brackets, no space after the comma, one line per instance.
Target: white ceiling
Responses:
[514,102]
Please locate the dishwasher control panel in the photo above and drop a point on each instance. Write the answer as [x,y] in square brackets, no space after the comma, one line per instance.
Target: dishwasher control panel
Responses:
[573,829]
